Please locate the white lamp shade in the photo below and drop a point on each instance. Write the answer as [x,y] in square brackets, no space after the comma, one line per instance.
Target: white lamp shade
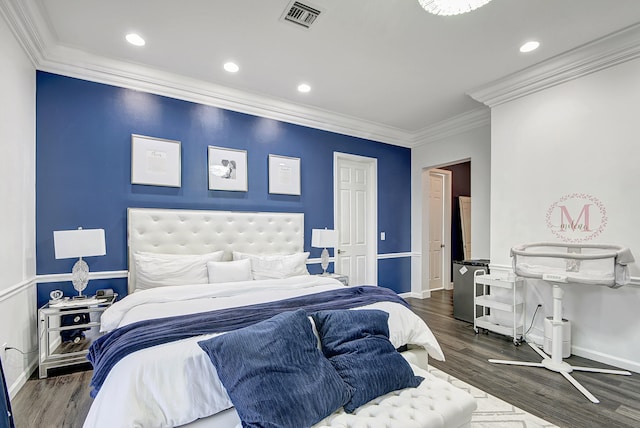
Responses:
[324,238]
[79,243]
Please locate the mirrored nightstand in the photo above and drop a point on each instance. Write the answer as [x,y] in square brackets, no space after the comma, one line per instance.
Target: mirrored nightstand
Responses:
[66,329]
[344,279]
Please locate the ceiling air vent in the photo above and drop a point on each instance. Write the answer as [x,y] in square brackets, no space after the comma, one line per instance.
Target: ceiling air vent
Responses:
[301,14]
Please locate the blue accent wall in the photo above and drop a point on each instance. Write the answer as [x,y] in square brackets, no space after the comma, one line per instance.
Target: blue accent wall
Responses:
[395,274]
[83,170]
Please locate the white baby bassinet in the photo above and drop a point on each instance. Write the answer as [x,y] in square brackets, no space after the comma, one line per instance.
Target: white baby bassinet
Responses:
[561,263]
[591,264]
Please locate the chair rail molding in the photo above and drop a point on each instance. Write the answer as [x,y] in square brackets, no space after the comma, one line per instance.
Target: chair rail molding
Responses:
[395,255]
[59,277]
[18,288]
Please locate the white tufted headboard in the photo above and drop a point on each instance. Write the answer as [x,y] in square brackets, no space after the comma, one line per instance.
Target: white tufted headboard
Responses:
[173,231]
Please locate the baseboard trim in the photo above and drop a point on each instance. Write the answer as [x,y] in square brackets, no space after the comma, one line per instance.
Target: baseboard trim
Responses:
[600,357]
[425,294]
[22,379]
[606,358]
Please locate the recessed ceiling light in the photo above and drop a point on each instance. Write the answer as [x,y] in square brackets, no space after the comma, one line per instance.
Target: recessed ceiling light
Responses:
[135,39]
[303,87]
[529,46]
[231,67]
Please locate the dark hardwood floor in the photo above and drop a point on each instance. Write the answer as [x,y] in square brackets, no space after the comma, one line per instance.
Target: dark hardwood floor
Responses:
[63,399]
[538,391]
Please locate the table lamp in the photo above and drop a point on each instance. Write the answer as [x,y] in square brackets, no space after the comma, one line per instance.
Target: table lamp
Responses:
[324,238]
[79,243]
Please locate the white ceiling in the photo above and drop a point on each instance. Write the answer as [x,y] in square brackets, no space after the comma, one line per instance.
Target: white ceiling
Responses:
[386,65]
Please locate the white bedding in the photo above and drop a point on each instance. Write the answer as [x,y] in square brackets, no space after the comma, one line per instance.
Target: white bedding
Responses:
[188,299]
[176,383]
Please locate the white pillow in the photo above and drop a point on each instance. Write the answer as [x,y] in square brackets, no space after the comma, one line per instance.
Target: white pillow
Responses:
[275,266]
[159,270]
[237,270]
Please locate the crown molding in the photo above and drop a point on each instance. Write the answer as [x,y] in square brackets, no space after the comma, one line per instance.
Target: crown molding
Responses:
[33,33]
[616,48]
[456,125]
[82,65]
[28,27]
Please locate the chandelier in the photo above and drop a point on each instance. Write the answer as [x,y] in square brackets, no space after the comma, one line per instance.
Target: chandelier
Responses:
[451,7]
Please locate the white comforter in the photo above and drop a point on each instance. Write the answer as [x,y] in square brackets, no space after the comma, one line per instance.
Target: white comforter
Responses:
[175,383]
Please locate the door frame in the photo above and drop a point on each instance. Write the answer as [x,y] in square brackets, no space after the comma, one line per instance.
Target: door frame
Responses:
[446,225]
[372,208]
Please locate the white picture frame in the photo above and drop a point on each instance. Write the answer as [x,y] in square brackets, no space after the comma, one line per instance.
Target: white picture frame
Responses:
[155,161]
[284,175]
[227,169]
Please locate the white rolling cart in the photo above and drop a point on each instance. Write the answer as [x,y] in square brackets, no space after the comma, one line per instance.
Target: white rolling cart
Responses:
[511,302]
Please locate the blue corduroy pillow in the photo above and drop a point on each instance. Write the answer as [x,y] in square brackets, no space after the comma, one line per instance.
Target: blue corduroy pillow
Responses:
[357,344]
[275,374]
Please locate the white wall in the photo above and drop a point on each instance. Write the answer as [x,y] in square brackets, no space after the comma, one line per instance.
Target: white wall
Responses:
[579,137]
[17,215]
[474,145]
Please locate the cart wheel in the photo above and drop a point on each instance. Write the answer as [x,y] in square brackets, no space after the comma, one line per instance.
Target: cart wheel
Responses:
[475,330]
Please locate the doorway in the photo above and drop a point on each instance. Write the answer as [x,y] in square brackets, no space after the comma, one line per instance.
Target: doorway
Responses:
[355,217]
[436,229]
[456,182]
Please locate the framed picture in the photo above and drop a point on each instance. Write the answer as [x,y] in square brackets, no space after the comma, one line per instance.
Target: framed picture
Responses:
[155,161]
[227,169]
[284,175]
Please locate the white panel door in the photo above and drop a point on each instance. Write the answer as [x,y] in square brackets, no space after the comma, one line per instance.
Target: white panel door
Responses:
[352,257]
[436,241]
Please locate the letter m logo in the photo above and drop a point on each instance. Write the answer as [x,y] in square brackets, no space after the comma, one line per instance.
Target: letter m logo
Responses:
[568,223]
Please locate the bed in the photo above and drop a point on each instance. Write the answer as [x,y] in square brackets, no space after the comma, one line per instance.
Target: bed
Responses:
[194,318]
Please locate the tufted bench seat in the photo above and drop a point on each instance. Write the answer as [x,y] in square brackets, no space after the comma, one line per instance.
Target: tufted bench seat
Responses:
[434,404]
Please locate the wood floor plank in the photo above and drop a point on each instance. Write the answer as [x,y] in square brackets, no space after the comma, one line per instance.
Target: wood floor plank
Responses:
[539,391]
[63,400]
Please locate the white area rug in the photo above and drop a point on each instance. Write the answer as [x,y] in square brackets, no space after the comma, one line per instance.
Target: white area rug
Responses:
[492,412]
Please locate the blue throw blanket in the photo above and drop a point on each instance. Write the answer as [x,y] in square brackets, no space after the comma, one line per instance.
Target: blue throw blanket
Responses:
[107,350]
